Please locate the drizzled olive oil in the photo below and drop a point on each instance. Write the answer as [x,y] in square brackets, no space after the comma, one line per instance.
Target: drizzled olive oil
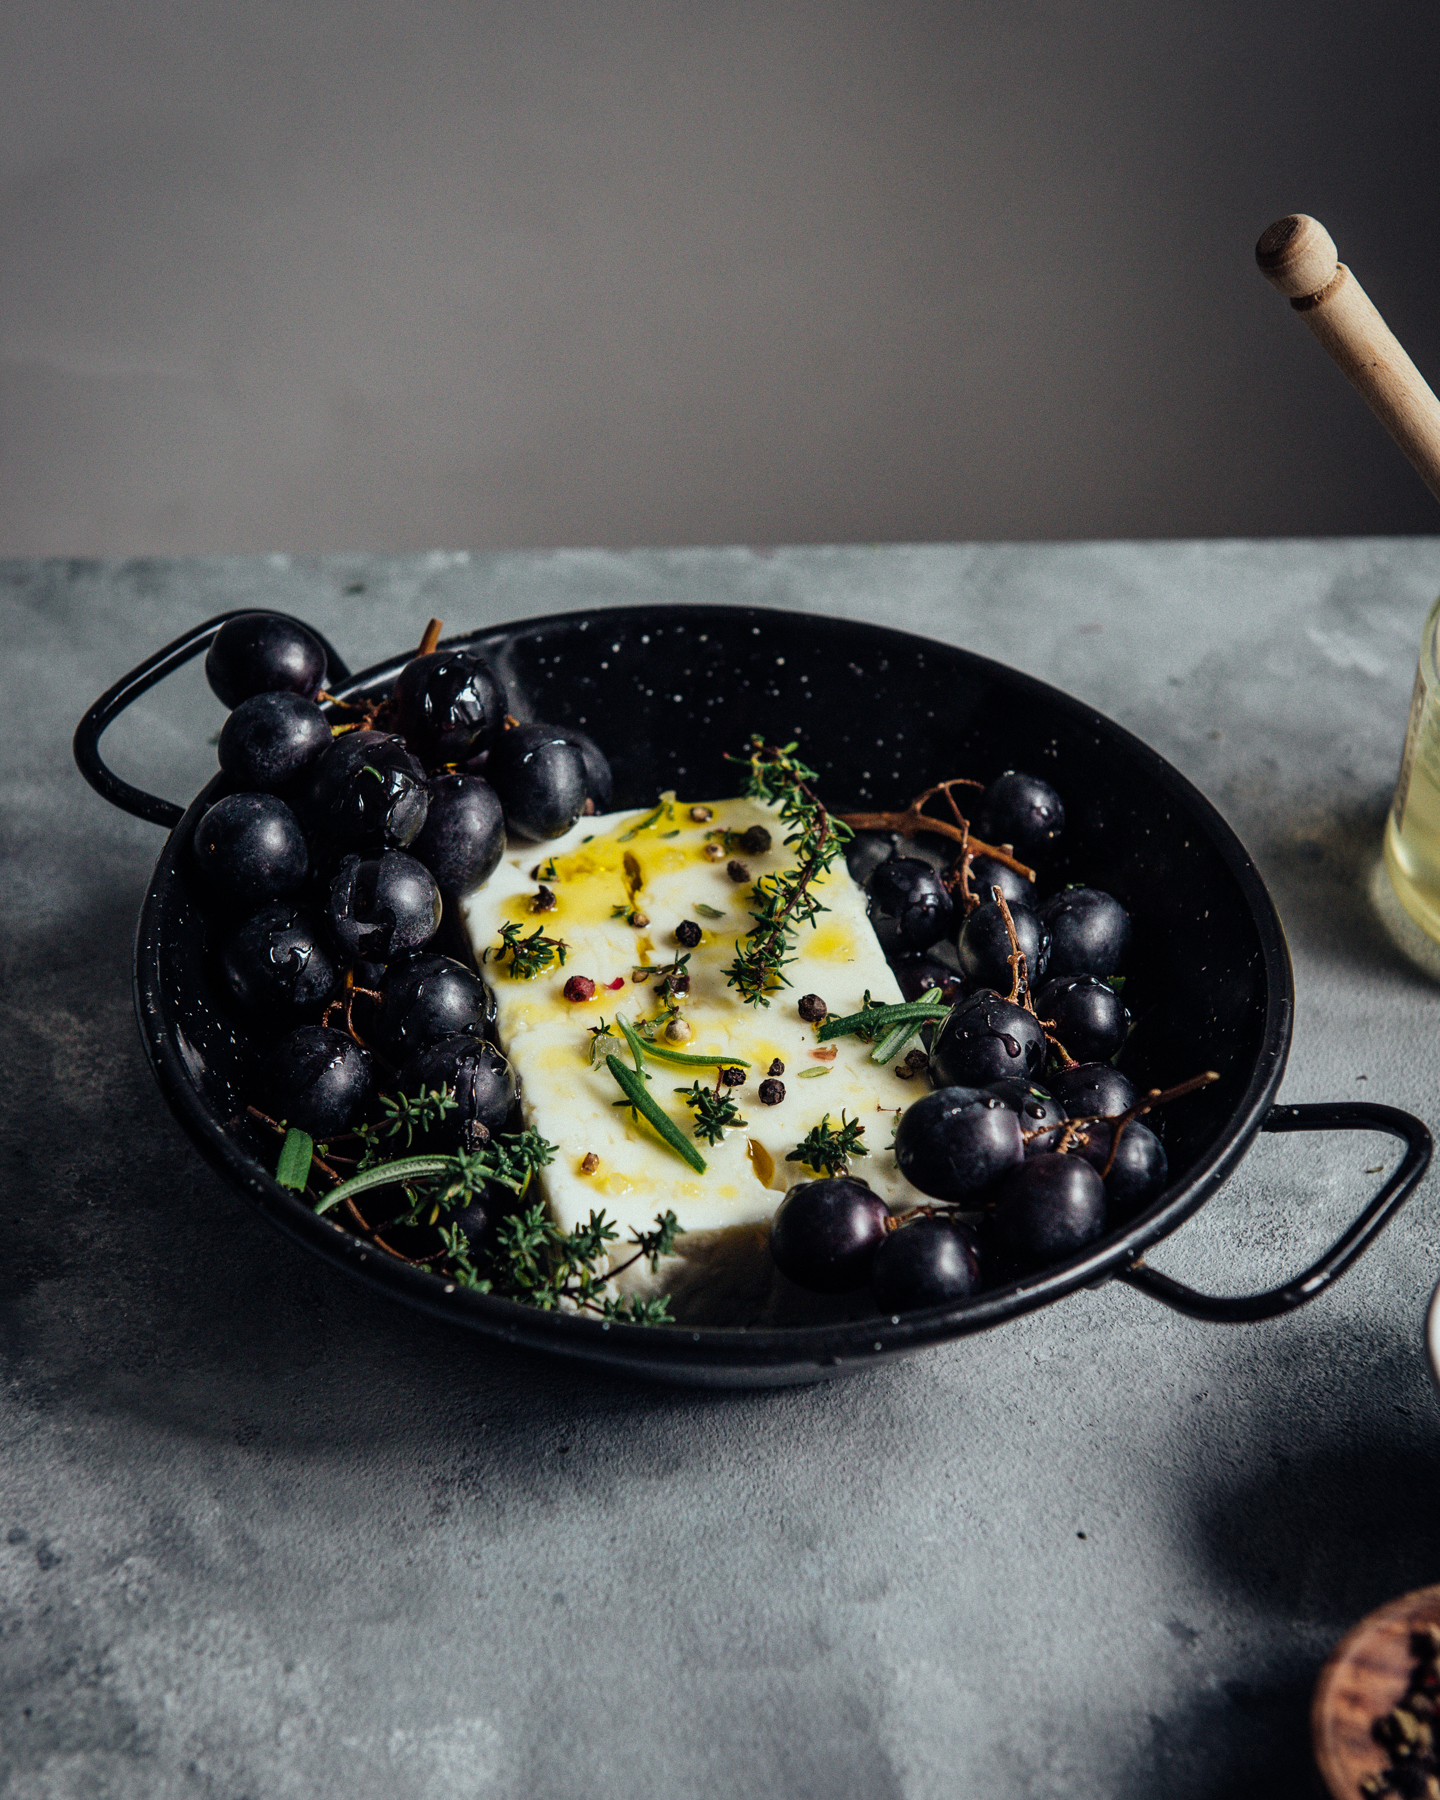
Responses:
[1412,830]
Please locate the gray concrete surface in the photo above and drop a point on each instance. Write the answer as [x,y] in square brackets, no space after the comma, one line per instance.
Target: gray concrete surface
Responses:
[263,1534]
[350,275]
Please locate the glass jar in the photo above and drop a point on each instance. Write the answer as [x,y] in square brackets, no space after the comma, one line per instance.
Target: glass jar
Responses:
[1412,830]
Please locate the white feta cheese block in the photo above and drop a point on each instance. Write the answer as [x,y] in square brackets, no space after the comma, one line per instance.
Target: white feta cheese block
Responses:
[654,866]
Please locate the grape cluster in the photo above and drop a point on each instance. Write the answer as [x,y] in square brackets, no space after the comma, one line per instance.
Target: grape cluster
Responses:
[328,866]
[1027,1146]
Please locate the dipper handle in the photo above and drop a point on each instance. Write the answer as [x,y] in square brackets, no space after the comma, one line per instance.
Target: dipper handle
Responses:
[1297,255]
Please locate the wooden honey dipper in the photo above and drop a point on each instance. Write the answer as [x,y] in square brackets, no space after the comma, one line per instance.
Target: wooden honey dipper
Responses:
[1298,256]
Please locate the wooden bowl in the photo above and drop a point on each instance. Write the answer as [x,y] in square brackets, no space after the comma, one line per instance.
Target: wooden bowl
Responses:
[1368,1672]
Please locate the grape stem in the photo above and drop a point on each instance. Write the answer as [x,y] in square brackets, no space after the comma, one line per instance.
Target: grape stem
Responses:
[915,820]
[1075,1128]
[1019,968]
[431,637]
[347,1005]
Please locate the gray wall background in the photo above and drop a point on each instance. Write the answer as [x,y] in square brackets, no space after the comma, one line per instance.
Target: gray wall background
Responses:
[342,274]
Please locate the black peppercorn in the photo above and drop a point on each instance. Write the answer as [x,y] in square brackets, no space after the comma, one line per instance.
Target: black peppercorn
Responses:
[756,841]
[737,871]
[777,1067]
[687,932]
[771,1092]
[733,1077]
[812,1009]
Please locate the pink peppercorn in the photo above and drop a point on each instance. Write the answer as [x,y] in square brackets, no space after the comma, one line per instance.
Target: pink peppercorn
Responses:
[579,987]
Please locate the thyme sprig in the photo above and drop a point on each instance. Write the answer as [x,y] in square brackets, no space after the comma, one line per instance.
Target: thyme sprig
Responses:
[784,900]
[539,1263]
[664,810]
[602,1041]
[830,1148]
[529,956]
[407,1114]
[715,1112]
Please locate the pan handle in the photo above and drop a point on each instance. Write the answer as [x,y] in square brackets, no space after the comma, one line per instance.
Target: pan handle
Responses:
[103,714]
[1341,1115]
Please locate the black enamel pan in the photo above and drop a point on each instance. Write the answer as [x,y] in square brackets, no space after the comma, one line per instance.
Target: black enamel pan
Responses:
[667,692]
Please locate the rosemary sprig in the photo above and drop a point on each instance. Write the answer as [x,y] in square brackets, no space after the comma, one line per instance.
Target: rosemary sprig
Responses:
[529,956]
[877,1021]
[642,1046]
[715,1113]
[450,1182]
[830,1150]
[784,901]
[632,1085]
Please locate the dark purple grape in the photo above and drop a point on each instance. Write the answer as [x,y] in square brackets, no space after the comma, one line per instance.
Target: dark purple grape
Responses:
[427,998]
[368,792]
[825,1234]
[1037,1110]
[1019,810]
[916,975]
[251,849]
[450,705]
[866,851]
[269,739]
[1092,1088]
[319,1080]
[956,1142]
[910,908]
[1085,1015]
[986,873]
[382,908]
[599,781]
[540,777]
[1139,1171]
[275,964]
[480,1079]
[464,833]
[987,1039]
[929,1262]
[264,653]
[984,946]
[477,1222]
[1089,932]
[1047,1209]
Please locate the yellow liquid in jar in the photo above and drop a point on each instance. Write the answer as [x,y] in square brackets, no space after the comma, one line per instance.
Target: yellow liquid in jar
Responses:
[1412,829]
